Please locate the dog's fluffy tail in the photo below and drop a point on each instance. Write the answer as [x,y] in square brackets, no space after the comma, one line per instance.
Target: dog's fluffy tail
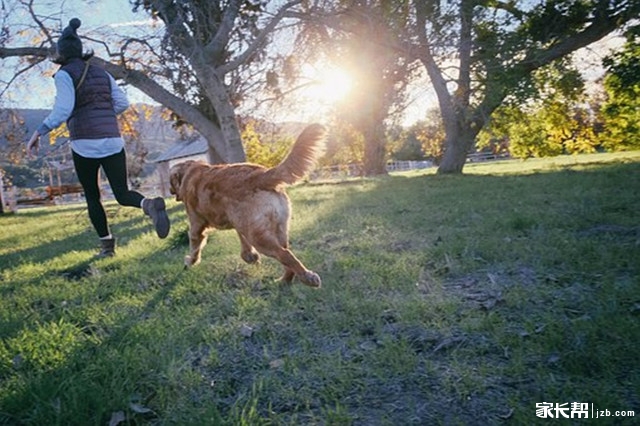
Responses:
[303,155]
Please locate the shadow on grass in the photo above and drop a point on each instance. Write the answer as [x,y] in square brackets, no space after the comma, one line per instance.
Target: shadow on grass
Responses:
[44,386]
[131,228]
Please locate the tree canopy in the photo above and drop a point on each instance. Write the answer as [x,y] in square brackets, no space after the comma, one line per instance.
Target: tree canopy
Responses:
[193,67]
[621,111]
[493,49]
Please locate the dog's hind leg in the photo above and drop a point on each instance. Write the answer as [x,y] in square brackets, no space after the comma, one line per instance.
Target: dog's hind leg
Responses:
[248,253]
[288,276]
[281,234]
[197,240]
[270,247]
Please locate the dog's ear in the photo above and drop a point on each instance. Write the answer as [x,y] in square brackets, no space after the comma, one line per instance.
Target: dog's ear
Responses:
[175,180]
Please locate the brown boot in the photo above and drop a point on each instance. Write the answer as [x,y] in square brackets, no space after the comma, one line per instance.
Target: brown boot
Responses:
[108,248]
[157,211]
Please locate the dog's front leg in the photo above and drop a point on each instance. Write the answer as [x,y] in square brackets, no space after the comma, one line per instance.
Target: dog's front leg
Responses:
[197,240]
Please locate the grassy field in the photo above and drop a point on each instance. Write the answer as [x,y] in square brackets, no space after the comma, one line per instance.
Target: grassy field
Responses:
[445,300]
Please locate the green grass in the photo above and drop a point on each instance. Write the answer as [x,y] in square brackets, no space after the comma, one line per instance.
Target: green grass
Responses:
[445,300]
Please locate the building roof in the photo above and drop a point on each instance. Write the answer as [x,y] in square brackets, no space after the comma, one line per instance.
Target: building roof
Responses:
[184,149]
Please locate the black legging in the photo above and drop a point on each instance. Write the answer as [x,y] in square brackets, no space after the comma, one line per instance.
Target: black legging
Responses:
[115,167]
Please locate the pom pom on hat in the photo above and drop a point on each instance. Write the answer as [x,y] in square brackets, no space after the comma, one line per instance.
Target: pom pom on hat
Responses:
[75,23]
[69,44]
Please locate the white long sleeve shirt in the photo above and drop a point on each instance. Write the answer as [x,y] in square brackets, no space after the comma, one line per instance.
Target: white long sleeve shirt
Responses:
[63,107]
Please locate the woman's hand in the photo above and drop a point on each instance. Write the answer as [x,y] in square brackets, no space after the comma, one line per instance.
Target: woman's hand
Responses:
[33,144]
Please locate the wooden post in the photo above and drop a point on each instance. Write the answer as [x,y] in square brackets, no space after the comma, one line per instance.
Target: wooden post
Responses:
[12,202]
[1,192]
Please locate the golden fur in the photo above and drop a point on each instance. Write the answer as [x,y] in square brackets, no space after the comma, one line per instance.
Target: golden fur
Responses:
[250,199]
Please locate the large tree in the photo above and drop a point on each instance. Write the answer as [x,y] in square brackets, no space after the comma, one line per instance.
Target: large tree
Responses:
[356,34]
[192,69]
[621,111]
[379,74]
[479,52]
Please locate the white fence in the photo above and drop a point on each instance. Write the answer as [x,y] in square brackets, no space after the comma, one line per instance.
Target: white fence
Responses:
[153,188]
[402,166]
[344,171]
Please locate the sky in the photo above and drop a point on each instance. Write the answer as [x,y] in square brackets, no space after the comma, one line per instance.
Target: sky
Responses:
[36,91]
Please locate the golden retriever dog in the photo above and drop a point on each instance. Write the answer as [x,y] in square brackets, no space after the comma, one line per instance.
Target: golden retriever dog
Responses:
[250,199]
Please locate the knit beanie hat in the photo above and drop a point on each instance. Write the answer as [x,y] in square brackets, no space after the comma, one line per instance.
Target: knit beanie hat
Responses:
[69,44]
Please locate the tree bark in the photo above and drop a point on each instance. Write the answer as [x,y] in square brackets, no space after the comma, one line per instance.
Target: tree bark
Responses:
[458,144]
[374,149]
[217,91]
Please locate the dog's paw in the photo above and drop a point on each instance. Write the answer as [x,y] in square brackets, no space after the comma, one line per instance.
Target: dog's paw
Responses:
[311,279]
[250,256]
[189,261]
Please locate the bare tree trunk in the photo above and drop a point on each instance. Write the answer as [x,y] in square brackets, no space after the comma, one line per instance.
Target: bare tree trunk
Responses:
[459,140]
[234,152]
[374,149]
[457,146]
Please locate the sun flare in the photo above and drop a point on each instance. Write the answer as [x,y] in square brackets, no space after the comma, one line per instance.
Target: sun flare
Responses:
[329,85]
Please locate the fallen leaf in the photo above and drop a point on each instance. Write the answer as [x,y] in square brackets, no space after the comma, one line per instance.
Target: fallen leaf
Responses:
[117,417]
[276,363]
[508,414]
[448,342]
[246,331]
[553,359]
[489,304]
[139,409]
[368,345]
[56,405]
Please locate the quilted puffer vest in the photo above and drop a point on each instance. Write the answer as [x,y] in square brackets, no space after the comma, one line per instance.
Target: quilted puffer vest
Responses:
[93,116]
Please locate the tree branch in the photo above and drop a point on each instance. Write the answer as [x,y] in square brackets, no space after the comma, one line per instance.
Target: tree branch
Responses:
[599,28]
[221,39]
[509,7]
[260,39]
[174,23]
[424,55]
[37,20]
[137,79]
[41,52]
[18,73]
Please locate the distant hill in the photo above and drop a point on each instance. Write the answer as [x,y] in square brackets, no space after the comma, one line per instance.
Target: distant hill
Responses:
[32,119]
[157,133]
[157,136]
